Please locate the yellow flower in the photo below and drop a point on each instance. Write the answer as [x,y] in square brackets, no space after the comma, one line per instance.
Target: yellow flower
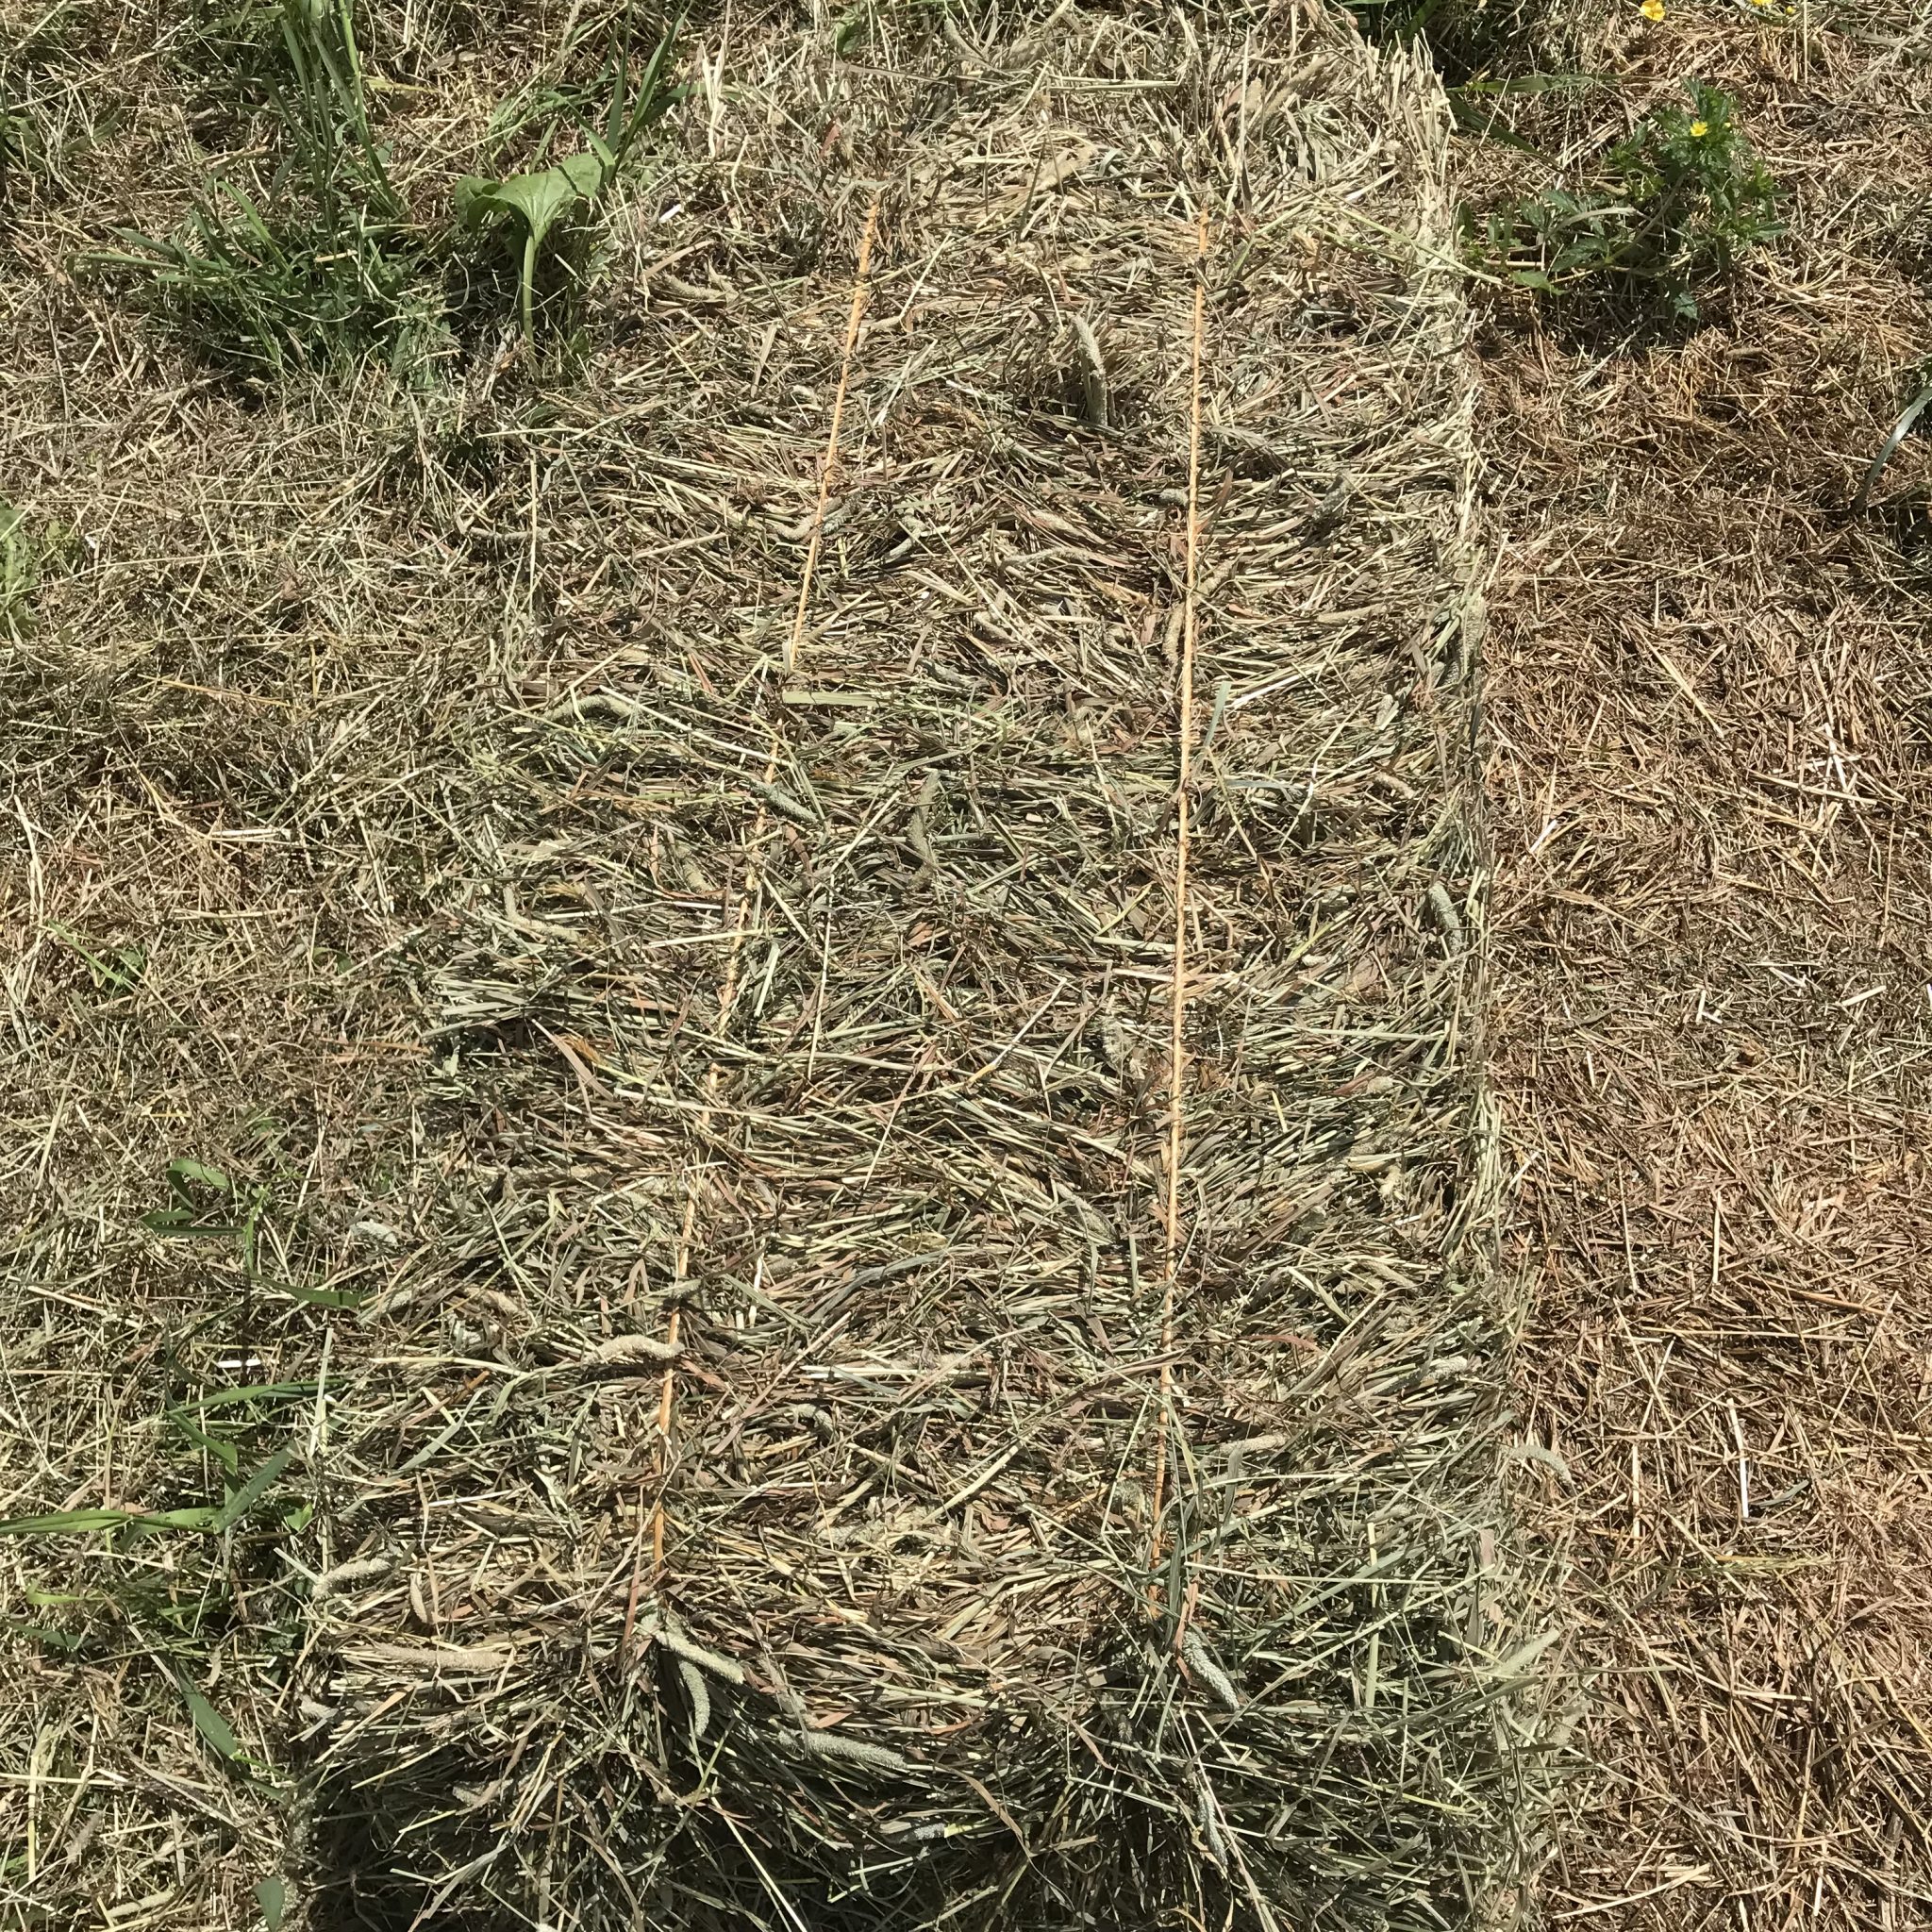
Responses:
[1699,129]
[1652,9]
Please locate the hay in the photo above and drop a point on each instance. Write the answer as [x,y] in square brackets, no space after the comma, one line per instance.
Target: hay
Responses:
[609,1009]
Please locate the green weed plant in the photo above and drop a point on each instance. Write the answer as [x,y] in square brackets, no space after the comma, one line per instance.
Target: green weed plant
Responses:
[325,266]
[1673,208]
[531,208]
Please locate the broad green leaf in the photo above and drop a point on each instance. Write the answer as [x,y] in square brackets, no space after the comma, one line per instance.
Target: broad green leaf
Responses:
[472,196]
[251,1492]
[272,1895]
[537,200]
[854,29]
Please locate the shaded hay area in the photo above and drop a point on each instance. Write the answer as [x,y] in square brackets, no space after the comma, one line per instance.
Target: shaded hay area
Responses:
[614,950]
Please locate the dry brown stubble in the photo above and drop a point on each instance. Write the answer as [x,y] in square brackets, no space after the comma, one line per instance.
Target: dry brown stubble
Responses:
[1708,689]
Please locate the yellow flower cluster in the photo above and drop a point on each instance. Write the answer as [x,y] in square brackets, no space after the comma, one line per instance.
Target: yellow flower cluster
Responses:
[1652,9]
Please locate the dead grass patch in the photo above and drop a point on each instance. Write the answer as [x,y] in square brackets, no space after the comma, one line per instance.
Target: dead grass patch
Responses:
[1709,691]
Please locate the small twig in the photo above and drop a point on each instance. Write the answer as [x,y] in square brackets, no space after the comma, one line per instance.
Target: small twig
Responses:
[727,993]
[1176,1063]
[818,522]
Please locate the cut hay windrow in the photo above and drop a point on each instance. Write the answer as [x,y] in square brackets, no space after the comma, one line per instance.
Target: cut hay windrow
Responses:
[902,1373]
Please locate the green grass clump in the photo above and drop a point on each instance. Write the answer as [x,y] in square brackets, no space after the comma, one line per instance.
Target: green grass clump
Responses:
[269,293]
[321,267]
[325,264]
[1673,206]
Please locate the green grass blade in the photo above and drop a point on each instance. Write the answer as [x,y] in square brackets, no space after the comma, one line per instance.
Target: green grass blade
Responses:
[319,1297]
[82,1521]
[65,1523]
[212,1725]
[184,1172]
[256,1392]
[252,1491]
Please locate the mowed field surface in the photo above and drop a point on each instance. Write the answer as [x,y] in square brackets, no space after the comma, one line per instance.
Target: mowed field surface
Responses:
[1709,695]
[603,1325]
[623,1312]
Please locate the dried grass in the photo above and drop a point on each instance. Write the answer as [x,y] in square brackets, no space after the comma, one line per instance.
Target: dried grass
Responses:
[1708,691]
[431,764]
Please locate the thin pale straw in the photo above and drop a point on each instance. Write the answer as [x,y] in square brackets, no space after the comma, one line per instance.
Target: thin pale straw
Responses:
[727,995]
[1177,1003]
